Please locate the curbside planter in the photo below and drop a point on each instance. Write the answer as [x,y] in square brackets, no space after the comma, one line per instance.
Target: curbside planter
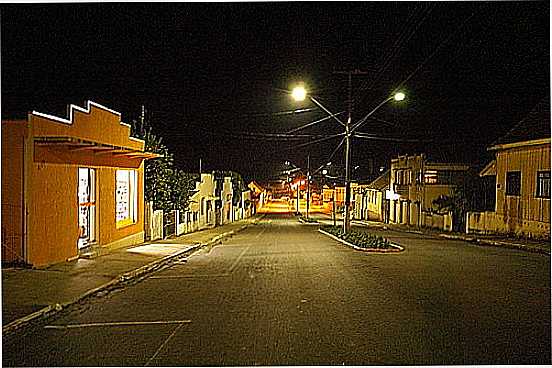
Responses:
[395,247]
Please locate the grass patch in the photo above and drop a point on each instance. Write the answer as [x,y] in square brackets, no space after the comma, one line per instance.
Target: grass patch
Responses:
[358,238]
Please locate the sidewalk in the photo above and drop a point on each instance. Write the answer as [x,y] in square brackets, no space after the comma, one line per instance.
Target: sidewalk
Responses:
[529,245]
[31,293]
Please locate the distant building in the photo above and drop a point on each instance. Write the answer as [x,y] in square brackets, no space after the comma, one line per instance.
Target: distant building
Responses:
[226,195]
[327,194]
[521,171]
[202,202]
[371,202]
[415,182]
[70,184]
[258,195]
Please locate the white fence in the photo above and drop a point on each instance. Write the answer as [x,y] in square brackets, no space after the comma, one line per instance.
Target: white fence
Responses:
[153,223]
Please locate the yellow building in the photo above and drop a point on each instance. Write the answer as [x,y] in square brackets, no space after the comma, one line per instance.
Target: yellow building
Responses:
[371,203]
[522,171]
[415,182]
[69,185]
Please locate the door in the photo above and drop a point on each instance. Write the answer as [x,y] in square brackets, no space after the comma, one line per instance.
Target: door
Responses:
[87,207]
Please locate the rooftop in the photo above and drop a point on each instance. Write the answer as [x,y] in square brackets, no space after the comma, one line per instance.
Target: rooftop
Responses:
[536,125]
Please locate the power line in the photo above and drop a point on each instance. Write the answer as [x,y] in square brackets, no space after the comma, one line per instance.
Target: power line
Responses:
[314,122]
[316,141]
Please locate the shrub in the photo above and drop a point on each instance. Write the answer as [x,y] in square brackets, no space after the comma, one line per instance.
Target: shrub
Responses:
[359,238]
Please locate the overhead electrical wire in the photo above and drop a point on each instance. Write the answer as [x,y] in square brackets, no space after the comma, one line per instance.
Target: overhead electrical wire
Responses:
[314,122]
[316,141]
[392,139]
[405,36]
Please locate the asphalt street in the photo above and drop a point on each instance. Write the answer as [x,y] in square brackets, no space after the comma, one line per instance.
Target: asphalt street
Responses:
[280,293]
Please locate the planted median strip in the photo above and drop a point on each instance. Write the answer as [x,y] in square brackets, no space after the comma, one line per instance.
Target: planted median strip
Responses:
[361,240]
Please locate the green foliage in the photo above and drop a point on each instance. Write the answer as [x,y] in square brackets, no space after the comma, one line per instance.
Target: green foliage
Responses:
[467,195]
[359,238]
[166,186]
[182,185]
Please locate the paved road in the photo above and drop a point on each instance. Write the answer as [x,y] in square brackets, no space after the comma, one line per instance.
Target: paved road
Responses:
[281,293]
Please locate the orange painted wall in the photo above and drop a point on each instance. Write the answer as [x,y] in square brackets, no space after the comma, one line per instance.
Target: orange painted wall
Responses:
[99,125]
[52,183]
[53,210]
[14,134]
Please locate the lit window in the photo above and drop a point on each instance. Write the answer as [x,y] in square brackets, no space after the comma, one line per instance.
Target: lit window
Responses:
[543,184]
[513,183]
[126,197]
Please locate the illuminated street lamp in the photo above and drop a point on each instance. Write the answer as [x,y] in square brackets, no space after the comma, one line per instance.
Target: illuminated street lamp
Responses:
[299,93]
[399,96]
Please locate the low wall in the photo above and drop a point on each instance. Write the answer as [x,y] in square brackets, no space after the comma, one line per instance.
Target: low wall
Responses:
[436,221]
[186,223]
[492,223]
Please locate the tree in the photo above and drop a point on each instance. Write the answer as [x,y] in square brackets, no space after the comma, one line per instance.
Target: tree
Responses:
[182,186]
[165,186]
[467,195]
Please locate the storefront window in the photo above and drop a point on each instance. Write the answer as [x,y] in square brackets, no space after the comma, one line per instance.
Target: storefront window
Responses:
[126,197]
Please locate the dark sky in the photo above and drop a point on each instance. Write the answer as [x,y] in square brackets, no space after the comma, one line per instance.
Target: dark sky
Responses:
[212,76]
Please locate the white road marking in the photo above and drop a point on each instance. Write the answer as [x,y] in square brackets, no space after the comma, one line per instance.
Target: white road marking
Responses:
[163,344]
[109,324]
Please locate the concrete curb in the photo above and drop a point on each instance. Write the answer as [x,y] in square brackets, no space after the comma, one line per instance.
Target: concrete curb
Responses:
[52,309]
[308,223]
[467,238]
[496,243]
[396,248]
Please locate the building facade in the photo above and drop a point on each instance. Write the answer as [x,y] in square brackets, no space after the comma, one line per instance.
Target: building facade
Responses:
[522,175]
[372,203]
[203,201]
[415,182]
[70,184]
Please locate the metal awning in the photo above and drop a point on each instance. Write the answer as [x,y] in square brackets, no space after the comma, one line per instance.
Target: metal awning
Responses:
[78,144]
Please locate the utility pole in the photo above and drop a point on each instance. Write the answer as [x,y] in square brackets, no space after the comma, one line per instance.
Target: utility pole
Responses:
[308,184]
[298,190]
[333,209]
[347,220]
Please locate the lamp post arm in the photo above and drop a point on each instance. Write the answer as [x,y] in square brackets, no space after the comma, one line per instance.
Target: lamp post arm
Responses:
[363,120]
[317,103]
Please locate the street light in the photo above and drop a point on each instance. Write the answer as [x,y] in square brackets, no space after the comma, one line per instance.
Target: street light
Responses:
[299,93]
[399,96]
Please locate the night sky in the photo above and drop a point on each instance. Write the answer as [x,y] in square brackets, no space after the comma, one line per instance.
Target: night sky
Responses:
[213,76]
